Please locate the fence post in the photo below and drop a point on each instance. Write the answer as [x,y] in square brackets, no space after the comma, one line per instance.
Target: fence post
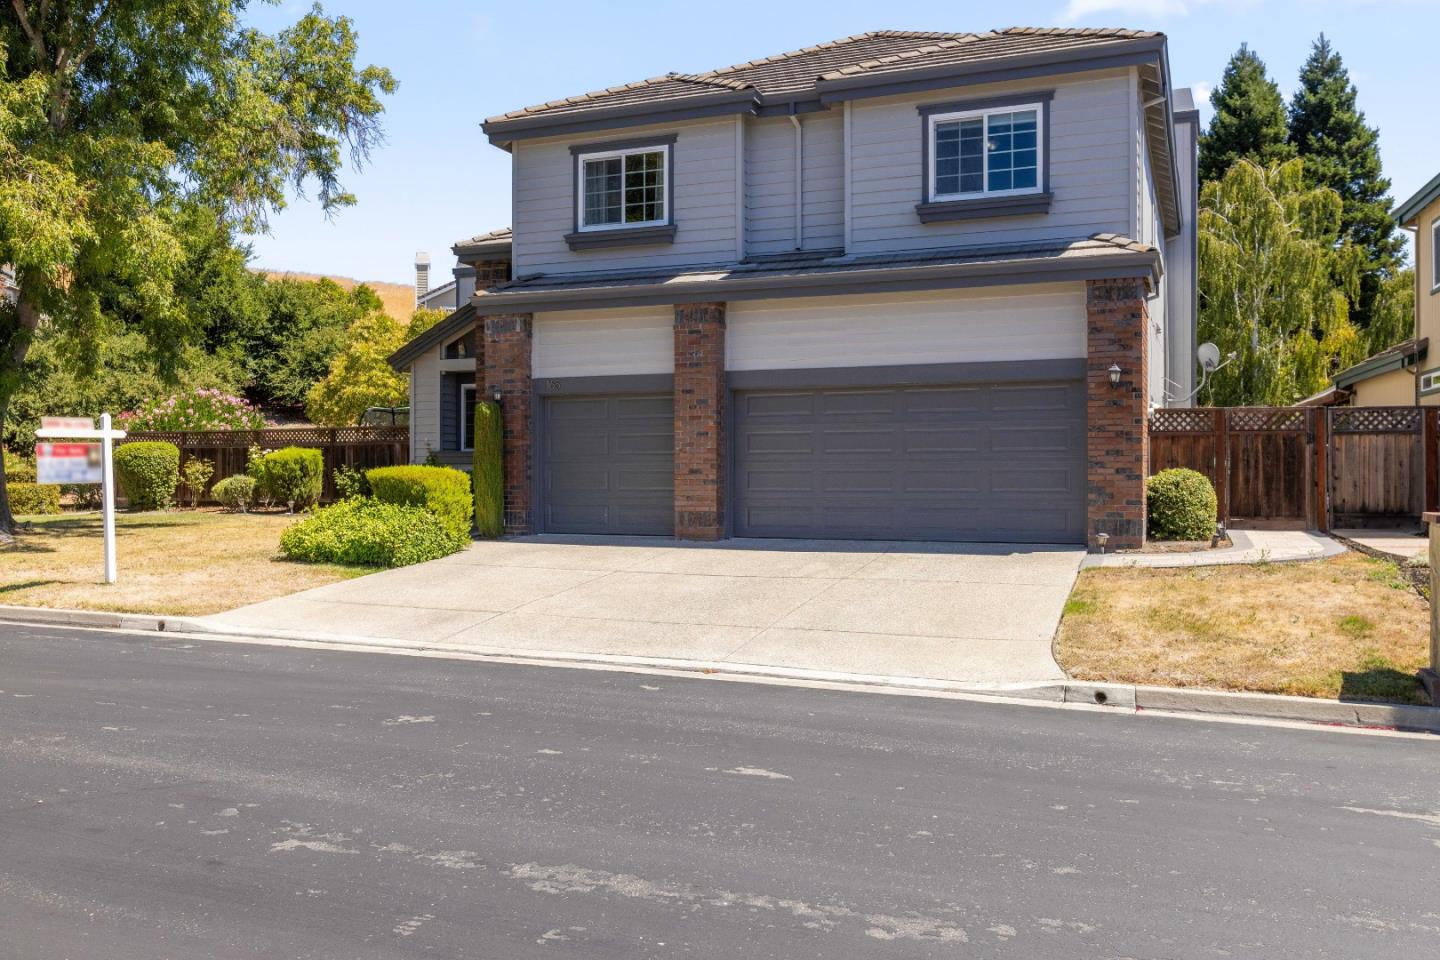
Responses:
[1222,463]
[1430,421]
[1321,459]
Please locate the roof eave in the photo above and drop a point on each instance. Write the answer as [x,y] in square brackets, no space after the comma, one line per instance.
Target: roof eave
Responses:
[1386,361]
[1407,212]
[485,250]
[401,359]
[1116,266]
[504,131]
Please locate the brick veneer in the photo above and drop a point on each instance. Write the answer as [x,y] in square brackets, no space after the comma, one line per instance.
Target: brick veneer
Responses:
[1118,431]
[505,364]
[490,273]
[699,421]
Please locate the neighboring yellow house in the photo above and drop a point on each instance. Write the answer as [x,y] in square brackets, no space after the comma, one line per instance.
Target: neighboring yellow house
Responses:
[1402,375]
[1421,214]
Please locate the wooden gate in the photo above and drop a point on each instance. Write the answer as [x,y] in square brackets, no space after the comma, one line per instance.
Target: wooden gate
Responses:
[1377,465]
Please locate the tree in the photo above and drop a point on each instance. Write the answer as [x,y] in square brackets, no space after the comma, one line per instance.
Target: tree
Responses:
[299,331]
[360,375]
[1341,152]
[114,120]
[1249,119]
[1270,256]
[422,320]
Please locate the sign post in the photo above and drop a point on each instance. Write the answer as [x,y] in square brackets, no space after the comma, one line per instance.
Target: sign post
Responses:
[82,463]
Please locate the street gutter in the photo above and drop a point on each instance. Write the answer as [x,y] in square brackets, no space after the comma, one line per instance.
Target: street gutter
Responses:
[1117,697]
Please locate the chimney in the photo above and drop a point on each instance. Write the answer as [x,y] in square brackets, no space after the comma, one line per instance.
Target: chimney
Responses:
[422,276]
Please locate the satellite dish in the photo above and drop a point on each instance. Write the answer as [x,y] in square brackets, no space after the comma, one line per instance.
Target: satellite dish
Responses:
[1209,356]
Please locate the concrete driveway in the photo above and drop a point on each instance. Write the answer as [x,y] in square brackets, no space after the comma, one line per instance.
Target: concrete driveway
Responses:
[971,613]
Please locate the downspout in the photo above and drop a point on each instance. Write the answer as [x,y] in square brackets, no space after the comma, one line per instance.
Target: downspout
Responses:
[799,181]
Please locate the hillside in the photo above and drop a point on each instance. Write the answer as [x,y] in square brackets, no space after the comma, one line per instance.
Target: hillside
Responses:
[398,298]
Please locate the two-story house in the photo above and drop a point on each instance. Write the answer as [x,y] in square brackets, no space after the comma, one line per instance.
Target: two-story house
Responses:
[896,286]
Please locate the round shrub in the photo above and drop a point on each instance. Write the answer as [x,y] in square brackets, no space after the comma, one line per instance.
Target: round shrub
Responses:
[1181,505]
[293,475]
[33,498]
[369,533]
[443,491]
[148,471]
[18,469]
[235,493]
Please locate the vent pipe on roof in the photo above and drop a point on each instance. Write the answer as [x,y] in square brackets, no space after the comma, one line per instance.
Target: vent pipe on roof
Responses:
[422,276]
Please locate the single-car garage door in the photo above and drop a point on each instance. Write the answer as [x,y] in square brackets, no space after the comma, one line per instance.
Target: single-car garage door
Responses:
[607,464]
[997,462]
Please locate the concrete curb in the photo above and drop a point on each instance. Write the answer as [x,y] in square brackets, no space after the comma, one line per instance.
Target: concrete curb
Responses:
[1121,697]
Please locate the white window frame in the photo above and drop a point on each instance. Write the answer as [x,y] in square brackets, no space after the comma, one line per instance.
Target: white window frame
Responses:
[1435,255]
[467,443]
[984,116]
[1433,376]
[584,158]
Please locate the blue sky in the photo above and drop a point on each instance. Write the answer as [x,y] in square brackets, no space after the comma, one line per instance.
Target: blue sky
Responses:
[437,179]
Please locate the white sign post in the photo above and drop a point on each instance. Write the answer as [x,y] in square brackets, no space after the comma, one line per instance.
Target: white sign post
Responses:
[75,463]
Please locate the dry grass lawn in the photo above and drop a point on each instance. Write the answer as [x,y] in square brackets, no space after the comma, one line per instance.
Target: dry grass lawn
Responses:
[1350,627]
[184,563]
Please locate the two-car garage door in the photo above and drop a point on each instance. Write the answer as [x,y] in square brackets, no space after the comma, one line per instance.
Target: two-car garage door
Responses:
[999,462]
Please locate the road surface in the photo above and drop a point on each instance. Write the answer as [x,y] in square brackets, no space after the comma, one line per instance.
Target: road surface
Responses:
[172,798]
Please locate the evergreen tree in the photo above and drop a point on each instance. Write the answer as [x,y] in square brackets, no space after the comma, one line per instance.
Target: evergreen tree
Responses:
[1249,119]
[1328,130]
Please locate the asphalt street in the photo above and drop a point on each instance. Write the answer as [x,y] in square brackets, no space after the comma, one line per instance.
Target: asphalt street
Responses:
[181,798]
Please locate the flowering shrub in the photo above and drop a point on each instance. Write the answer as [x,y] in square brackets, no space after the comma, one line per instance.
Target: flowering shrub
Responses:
[201,410]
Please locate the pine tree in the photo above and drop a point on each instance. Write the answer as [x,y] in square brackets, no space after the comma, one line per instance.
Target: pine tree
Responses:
[1249,119]
[1341,152]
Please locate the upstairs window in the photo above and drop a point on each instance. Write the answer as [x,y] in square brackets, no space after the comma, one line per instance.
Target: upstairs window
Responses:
[623,188]
[986,153]
[461,349]
[1435,256]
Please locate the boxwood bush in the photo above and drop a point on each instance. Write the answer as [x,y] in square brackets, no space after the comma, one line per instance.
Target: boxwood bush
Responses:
[235,493]
[1181,505]
[293,475]
[369,533]
[148,472]
[444,491]
[34,498]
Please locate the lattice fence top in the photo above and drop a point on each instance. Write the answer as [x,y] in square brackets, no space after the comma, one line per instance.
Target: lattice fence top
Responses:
[1182,420]
[276,436]
[1266,419]
[1376,419]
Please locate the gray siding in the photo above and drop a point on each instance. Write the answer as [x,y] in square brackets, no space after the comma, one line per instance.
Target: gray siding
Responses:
[769,186]
[705,213]
[824,180]
[1180,274]
[1092,162]
[450,408]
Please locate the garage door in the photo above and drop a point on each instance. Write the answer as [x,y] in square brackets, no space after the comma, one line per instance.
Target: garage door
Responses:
[998,462]
[607,465]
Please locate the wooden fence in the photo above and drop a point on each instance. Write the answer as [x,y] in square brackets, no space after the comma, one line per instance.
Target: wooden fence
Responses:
[1306,466]
[229,450]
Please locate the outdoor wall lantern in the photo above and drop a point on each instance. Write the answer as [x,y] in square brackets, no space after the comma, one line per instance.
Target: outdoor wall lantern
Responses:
[495,392]
[1114,372]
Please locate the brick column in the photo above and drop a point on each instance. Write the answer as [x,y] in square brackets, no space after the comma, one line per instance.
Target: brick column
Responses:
[700,421]
[1117,417]
[505,359]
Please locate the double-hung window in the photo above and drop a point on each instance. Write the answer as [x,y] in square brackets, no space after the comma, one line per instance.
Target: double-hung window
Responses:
[1435,256]
[623,188]
[986,153]
[466,420]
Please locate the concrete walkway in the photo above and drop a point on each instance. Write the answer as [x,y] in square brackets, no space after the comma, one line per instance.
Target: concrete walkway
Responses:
[967,613]
[1248,546]
[1403,545]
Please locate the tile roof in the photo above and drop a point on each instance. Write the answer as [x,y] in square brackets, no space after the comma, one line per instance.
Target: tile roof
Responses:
[790,75]
[826,263]
[501,234]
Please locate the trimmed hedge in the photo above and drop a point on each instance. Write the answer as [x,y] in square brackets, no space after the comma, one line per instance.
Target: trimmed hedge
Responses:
[235,493]
[293,475]
[1181,505]
[148,472]
[18,469]
[489,473]
[369,533]
[33,498]
[444,491]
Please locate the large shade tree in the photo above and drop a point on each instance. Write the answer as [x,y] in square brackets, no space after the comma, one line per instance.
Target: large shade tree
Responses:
[1249,120]
[1275,284]
[120,118]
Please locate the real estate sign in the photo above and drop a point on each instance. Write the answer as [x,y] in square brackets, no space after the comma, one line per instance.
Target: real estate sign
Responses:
[69,463]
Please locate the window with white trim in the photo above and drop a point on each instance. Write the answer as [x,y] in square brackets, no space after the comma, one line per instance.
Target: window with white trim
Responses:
[1430,382]
[1435,256]
[466,420]
[623,188]
[986,153]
